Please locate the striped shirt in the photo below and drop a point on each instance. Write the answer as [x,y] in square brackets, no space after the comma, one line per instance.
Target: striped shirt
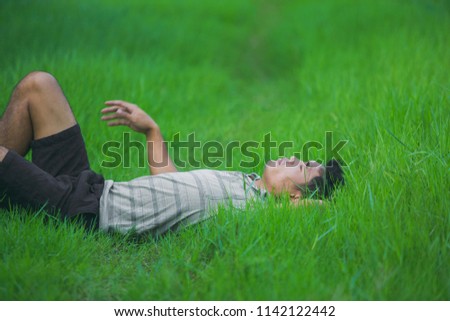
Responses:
[168,201]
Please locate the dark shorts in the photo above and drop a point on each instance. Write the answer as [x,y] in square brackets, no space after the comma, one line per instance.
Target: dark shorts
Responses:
[58,179]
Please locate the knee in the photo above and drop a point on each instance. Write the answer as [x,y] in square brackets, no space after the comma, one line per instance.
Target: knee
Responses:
[36,80]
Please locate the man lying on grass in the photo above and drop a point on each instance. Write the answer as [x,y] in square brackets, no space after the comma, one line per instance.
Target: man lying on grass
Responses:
[59,178]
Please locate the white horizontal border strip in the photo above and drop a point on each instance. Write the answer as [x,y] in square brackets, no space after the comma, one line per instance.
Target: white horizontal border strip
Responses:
[223,310]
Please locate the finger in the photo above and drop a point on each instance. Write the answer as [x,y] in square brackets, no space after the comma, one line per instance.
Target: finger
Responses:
[121,113]
[109,110]
[120,103]
[121,122]
[118,112]
[113,102]
[109,117]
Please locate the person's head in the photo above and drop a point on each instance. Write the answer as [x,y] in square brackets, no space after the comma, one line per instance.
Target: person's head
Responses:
[302,179]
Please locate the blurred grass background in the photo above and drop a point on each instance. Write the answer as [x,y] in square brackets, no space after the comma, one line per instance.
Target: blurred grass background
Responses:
[374,73]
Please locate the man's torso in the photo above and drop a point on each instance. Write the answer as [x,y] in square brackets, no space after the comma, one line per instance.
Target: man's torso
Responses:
[166,201]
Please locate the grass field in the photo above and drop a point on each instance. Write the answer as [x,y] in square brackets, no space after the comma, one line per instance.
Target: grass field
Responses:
[374,73]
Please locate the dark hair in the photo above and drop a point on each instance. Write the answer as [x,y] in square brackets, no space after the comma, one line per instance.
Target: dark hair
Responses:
[322,187]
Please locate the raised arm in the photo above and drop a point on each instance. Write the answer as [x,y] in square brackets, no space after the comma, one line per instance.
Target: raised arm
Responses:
[122,113]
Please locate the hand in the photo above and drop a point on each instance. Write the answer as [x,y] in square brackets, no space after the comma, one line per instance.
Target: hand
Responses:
[306,202]
[122,113]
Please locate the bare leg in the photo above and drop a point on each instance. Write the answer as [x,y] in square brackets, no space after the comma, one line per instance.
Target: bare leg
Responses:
[3,152]
[37,109]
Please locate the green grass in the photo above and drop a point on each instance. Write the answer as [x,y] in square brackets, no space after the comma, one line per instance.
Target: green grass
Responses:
[374,73]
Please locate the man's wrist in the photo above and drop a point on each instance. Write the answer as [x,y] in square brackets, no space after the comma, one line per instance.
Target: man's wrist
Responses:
[152,132]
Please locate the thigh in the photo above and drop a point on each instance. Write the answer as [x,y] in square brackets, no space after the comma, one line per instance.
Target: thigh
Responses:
[63,153]
[49,110]
[37,109]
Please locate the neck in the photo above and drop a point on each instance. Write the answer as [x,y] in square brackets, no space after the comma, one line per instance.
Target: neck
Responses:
[261,184]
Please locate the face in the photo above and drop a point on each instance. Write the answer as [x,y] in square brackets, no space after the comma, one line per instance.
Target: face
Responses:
[285,174]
